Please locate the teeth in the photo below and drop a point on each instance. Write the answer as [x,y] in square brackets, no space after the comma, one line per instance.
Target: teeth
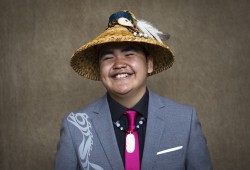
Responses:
[121,75]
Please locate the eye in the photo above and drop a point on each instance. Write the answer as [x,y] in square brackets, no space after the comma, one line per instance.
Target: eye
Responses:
[106,57]
[129,54]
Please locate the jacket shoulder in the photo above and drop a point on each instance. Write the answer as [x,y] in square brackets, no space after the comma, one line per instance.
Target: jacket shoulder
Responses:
[172,104]
[89,109]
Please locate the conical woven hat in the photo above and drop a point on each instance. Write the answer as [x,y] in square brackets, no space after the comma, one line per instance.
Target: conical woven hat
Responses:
[85,61]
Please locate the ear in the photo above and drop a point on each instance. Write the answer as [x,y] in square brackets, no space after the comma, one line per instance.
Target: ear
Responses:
[150,64]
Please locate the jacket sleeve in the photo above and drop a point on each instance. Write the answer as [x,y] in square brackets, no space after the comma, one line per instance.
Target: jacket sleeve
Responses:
[197,152]
[66,158]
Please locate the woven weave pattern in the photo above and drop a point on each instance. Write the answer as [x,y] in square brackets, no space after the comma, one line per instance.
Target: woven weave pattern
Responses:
[85,60]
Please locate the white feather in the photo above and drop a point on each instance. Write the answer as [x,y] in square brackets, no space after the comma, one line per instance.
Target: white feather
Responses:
[151,31]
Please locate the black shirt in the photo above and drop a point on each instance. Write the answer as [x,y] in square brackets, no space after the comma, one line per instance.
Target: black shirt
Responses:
[117,113]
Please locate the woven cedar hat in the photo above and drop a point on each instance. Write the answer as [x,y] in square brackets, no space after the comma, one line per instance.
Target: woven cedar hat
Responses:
[123,27]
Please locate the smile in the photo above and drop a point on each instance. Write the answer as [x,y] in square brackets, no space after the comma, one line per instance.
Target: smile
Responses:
[123,75]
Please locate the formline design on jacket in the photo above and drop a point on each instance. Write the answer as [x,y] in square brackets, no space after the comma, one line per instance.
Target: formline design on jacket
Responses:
[80,120]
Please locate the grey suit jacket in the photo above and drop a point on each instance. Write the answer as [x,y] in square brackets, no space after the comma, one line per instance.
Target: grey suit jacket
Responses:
[174,139]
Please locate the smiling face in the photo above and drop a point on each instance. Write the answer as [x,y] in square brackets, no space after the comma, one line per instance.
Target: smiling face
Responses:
[123,70]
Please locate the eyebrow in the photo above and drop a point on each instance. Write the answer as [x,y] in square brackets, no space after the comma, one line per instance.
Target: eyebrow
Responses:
[111,51]
[129,48]
[106,52]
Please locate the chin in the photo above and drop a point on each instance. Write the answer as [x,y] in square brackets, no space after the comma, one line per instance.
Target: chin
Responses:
[120,91]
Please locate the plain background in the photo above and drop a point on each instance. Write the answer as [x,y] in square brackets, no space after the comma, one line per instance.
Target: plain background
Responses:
[210,40]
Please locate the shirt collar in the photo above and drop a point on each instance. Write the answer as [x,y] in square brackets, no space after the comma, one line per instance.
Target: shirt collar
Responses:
[117,110]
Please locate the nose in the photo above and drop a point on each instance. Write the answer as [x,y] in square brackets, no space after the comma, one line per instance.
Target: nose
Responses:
[119,63]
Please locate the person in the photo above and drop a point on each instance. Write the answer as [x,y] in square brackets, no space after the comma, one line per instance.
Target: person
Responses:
[130,127]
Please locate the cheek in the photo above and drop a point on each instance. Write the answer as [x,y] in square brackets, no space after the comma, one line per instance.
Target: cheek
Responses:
[103,69]
[140,65]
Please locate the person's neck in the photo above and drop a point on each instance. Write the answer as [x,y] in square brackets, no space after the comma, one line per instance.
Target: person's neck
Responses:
[129,100]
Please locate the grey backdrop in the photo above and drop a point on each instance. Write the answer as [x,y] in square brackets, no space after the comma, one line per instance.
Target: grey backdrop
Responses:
[210,39]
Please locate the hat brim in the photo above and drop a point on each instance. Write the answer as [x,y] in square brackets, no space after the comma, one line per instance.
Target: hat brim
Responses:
[85,61]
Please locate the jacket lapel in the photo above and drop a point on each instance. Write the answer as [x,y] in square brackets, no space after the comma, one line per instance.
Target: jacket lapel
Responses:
[103,125]
[155,128]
